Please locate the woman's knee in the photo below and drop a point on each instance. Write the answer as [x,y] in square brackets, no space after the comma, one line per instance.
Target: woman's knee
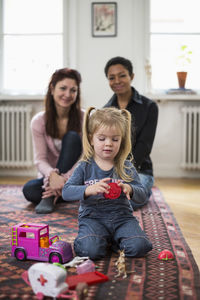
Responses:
[26,191]
[70,152]
[93,246]
[32,190]
[72,138]
[136,246]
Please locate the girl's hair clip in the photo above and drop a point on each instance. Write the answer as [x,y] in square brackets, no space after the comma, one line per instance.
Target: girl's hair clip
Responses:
[92,111]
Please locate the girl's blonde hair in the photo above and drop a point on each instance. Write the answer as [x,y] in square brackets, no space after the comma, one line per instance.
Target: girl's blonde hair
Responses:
[109,117]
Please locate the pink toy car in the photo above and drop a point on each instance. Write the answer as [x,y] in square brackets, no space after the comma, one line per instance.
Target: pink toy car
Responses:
[31,241]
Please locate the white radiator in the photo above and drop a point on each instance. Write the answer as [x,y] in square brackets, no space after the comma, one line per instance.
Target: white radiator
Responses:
[191,137]
[15,136]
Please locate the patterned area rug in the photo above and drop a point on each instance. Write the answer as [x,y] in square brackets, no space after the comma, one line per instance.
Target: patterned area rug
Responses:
[148,278]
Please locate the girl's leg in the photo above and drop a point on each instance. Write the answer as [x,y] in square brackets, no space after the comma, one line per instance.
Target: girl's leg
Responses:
[32,190]
[92,239]
[70,151]
[129,236]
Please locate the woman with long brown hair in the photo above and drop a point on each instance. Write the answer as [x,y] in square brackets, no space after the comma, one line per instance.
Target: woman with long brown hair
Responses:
[56,134]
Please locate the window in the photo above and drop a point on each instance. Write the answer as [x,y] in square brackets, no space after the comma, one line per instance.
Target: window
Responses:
[174,23]
[43,231]
[31,39]
[27,235]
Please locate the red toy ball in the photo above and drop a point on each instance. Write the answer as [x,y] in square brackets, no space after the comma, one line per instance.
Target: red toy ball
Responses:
[166,255]
[114,191]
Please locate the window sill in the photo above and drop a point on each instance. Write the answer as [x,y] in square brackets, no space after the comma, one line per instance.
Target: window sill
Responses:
[4,97]
[162,96]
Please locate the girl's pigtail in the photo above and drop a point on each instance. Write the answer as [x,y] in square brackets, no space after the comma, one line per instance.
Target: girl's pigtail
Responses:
[127,116]
[129,133]
[125,150]
[86,140]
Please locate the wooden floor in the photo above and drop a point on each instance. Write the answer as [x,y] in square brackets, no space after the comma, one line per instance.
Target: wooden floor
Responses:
[182,195]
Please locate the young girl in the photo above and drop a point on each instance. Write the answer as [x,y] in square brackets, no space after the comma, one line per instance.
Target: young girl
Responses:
[106,222]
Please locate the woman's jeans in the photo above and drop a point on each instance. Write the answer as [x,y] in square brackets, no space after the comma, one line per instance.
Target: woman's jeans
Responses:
[69,155]
[119,230]
[147,182]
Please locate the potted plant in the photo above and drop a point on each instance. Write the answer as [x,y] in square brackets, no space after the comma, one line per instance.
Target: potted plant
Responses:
[184,59]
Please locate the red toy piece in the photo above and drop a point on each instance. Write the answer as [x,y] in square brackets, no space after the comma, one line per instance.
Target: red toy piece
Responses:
[166,255]
[114,191]
[89,277]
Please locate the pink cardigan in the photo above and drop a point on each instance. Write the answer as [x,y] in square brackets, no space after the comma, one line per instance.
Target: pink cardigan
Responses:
[45,153]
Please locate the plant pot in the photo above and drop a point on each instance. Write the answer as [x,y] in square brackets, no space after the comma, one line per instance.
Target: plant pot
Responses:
[181,79]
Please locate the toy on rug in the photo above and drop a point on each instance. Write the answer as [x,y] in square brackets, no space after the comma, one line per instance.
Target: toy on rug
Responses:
[82,264]
[166,255]
[114,191]
[121,264]
[31,241]
[75,261]
[87,266]
[88,277]
[51,280]
[48,280]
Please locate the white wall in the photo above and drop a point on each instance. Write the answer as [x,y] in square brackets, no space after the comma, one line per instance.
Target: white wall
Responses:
[89,55]
[93,52]
[132,42]
[167,153]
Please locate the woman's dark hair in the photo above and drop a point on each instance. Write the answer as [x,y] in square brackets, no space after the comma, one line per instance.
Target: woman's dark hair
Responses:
[74,122]
[118,60]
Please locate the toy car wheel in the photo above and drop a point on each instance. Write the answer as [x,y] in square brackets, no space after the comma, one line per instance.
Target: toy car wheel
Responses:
[55,258]
[20,254]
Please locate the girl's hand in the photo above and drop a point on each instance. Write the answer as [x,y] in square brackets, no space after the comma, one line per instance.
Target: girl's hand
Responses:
[98,188]
[126,189]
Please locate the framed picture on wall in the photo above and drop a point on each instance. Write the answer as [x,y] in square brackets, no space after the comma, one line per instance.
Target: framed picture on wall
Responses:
[104,19]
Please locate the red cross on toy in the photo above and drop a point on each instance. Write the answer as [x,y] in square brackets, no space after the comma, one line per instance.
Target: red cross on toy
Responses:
[42,280]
